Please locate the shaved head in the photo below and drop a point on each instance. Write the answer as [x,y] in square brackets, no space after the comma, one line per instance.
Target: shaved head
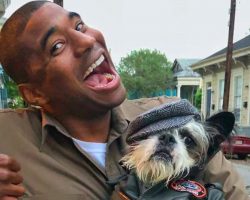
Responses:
[14,54]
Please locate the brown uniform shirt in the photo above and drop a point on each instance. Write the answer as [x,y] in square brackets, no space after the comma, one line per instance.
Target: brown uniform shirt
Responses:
[54,168]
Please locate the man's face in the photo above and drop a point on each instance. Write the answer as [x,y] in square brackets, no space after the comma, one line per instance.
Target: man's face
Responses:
[72,61]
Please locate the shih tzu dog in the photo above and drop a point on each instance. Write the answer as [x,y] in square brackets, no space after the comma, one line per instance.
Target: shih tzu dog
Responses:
[169,144]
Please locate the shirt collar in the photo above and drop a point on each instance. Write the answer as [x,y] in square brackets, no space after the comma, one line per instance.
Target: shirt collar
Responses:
[49,121]
[119,124]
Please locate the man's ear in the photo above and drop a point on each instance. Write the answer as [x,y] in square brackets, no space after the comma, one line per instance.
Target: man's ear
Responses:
[32,95]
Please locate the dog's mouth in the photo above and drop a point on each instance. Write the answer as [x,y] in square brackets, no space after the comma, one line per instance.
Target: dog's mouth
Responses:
[162,154]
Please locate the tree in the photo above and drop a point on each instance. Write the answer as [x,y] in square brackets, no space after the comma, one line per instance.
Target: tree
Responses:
[14,98]
[145,72]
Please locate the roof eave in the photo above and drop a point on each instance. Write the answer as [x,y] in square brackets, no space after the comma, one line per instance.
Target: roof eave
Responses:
[220,58]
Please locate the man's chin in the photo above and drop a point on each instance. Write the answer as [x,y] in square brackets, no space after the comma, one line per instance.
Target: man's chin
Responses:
[116,99]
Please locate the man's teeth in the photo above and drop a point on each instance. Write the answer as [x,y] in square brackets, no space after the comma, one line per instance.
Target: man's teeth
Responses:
[109,76]
[99,61]
[93,66]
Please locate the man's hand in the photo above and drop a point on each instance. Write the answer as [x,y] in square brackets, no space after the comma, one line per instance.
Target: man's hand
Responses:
[10,188]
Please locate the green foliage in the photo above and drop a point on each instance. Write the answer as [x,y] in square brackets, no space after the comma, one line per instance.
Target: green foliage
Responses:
[14,98]
[145,72]
[197,98]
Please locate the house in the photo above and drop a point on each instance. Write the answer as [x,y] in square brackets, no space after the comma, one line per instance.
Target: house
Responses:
[212,70]
[187,81]
[3,5]
[3,90]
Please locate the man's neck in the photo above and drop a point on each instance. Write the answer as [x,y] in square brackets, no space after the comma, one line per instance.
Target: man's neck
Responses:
[89,130]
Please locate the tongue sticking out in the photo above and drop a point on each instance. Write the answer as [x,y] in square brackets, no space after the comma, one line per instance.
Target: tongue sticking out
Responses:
[99,80]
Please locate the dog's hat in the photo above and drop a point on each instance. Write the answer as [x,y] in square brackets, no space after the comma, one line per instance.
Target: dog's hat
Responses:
[166,116]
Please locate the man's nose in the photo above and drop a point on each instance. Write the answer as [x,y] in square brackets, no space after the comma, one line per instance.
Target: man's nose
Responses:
[81,42]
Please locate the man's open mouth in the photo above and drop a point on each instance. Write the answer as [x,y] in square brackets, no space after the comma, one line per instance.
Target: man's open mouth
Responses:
[99,74]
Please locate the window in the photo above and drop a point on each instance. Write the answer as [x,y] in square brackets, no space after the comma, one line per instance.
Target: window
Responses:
[221,93]
[237,97]
[208,98]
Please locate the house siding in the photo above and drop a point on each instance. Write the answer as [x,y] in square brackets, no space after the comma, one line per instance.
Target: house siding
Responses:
[212,69]
[214,78]
[246,97]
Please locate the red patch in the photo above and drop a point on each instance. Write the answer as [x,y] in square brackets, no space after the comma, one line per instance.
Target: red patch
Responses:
[192,187]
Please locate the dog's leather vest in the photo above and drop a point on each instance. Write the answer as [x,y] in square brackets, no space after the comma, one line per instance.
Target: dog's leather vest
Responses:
[129,189]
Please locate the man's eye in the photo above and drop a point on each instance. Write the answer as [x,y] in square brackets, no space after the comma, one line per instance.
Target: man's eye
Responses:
[79,26]
[56,47]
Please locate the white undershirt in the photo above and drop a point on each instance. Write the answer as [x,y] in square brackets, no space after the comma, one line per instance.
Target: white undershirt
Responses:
[96,150]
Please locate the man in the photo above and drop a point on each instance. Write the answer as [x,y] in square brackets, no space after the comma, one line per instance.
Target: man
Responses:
[70,148]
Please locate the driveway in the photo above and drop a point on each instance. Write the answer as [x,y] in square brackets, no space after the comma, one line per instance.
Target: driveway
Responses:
[243,168]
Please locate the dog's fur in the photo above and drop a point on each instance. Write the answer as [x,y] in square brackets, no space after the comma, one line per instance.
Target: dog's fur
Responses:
[171,154]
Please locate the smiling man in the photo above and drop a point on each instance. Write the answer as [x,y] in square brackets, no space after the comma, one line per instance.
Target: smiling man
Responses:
[70,147]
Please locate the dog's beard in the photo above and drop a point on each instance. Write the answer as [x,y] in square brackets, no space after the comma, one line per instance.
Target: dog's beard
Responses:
[153,169]
[153,165]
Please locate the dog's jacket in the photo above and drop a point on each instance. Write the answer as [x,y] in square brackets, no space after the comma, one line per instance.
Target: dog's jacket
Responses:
[130,189]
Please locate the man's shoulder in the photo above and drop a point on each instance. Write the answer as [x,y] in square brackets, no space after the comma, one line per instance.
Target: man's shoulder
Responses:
[132,108]
[18,114]
[22,122]
[18,111]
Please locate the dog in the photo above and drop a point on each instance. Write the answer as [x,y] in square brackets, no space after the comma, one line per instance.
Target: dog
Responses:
[169,144]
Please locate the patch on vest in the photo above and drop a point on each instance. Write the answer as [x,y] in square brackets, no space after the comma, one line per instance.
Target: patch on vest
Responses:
[192,187]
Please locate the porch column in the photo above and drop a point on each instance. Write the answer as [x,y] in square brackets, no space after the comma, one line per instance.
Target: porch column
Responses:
[178,90]
[1,84]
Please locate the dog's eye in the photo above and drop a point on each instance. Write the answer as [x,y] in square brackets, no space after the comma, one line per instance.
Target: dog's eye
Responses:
[188,141]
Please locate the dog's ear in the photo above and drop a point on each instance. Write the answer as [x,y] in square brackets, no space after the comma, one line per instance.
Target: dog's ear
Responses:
[223,122]
[219,127]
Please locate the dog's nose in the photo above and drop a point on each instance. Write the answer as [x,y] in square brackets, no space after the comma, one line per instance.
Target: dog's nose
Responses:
[167,139]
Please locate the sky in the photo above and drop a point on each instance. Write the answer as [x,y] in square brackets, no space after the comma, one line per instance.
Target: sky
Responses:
[177,28]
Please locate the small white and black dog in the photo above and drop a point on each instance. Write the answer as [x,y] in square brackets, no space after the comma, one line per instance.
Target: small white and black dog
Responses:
[170,142]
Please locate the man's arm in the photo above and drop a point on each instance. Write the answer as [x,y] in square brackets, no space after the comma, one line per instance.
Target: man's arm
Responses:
[219,169]
[10,179]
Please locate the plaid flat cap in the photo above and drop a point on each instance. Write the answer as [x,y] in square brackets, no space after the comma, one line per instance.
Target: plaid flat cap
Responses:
[163,117]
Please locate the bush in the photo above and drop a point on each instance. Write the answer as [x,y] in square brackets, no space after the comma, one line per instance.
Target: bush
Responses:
[197,98]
